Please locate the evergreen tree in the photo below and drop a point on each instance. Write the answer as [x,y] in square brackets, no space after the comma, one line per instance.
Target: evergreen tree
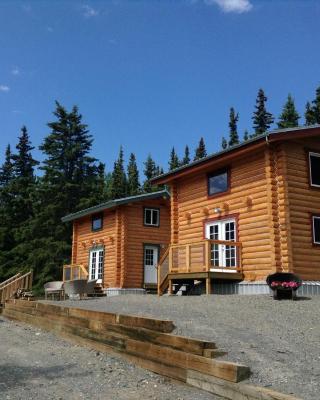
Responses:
[309,116]
[200,150]
[316,106]
[262,119]
[312,113]
[119,178]
[233,129]
[246,135]
[150,171]
[186,158]
[23,162]
[71,182]
[174,160]
[224,143]
[289,117]
[133,176]
[6,171]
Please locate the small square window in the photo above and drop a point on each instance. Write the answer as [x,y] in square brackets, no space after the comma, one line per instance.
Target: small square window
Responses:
[151,216]
[314,164]
[218,182]
[97,222]
[316,229]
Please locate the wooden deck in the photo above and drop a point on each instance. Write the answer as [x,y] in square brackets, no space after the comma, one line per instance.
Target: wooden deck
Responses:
[203,260]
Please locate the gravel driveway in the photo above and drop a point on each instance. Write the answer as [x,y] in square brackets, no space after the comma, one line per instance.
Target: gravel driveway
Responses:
[278,340]
[36,365]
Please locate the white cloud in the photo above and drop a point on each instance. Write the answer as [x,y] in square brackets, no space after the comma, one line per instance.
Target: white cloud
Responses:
[4,88]
[15,71]
[229,6]
[89,12]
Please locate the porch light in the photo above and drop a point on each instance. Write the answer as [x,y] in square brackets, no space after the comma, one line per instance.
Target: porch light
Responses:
[217,210]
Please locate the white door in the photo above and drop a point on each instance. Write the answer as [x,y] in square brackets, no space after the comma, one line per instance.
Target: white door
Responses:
[151,256]
[222,255]
[96,265]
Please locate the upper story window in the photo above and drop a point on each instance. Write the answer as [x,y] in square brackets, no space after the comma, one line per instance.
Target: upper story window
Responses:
[151,216]
[218,182]
[316,229]
[97,222]
[314,164]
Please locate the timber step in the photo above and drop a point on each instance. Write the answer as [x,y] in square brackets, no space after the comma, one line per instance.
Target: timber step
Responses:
[147,343]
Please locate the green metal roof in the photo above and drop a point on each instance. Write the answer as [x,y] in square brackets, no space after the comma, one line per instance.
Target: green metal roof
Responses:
[264,136]
[115,203]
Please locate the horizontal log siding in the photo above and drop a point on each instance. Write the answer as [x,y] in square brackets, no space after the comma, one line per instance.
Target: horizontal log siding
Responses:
[137,235]
[303,201]
[83,244]
[248,185]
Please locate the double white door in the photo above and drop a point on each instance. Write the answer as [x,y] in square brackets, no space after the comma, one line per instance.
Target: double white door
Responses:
[96,262]
[151,257]
[222,255]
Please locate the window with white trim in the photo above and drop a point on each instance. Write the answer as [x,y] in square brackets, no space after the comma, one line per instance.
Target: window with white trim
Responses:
[316,229]
[314,165]
[151,216]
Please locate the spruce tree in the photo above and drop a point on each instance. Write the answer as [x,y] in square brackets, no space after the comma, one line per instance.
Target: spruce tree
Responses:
[233,129]
[133,176]
[186,158]
[71,181]
[246,135]
[224,143]
[174,160]
[119,178]
[200,150]
[150,171]
[312,113]
[23,161]
[262,119]
[309,115]
[289,117]
[6,171]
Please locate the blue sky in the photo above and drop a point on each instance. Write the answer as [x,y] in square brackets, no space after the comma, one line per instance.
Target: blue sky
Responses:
[153,74]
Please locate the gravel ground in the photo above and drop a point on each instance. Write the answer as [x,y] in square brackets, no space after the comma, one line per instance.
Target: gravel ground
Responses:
[37,365]
[278,340]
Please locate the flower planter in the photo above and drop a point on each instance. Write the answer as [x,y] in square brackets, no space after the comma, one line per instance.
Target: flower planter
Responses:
[284,285]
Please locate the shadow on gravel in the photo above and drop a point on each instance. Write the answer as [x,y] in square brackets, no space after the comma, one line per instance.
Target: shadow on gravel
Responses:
[13,376]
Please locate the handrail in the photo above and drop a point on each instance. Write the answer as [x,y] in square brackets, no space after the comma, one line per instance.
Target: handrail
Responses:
[4,283]
[162,269]
[21,282]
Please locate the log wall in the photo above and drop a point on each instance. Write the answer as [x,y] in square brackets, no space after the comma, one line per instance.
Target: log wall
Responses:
[247,200]
[123,237]
[304,201]
[137,235]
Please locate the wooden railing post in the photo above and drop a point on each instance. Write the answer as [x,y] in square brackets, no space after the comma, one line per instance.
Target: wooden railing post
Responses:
[207,255]
[188,257]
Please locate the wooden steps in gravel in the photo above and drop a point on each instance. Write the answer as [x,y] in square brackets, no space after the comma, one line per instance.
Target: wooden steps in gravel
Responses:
[147,342]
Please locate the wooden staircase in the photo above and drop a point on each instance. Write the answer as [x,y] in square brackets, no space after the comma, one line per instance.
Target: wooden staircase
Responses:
[9,287]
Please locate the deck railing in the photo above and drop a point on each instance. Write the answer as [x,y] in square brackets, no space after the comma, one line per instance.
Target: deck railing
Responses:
[202,256]
[74,271]
[10,287]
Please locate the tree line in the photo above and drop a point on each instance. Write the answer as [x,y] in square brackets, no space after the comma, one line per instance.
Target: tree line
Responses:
[70,179]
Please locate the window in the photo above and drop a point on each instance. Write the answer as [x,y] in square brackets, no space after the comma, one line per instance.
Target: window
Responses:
[314,163]
[151,216]
[97,222]
[316,229]
[218,182]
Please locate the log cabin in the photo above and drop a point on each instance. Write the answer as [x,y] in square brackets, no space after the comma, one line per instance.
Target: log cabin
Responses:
[246,212]
[120,242]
